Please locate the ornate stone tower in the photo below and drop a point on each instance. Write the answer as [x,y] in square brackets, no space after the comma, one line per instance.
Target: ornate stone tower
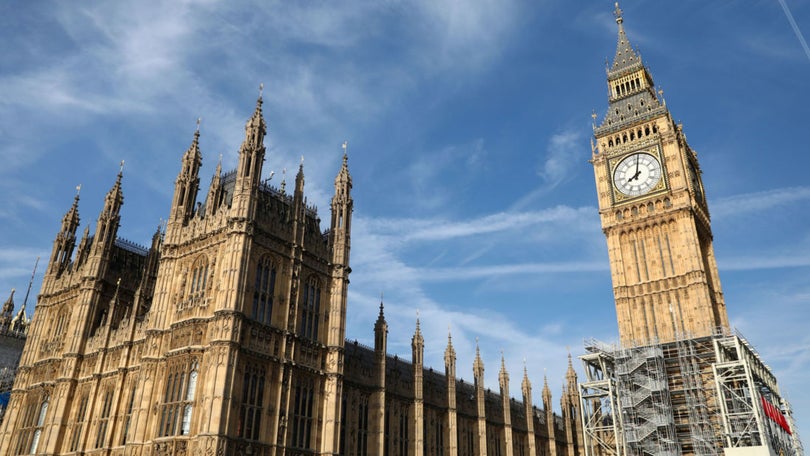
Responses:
[226,336]
[653,211]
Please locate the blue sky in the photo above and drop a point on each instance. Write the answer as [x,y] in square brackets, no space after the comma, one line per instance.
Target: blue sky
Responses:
[468,126]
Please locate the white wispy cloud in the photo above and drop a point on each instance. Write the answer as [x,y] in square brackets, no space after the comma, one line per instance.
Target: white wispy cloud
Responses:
[746,203]
[766,260]
[437,229]
[495,271]
[564,152]
[424,173]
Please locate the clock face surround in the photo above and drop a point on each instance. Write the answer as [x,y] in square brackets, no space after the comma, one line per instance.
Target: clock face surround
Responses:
[637,174]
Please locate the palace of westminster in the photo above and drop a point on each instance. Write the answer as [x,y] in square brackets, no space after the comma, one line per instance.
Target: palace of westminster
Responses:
[226,336]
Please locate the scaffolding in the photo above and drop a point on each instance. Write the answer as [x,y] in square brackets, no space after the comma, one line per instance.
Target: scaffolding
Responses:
[695,357]
[602,428]
[649,425]
[752,411]
[692,396]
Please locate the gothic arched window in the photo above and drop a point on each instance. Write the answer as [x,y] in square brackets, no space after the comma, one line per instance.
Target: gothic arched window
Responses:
[263,291]
[178,398]
[252,403]
[33,422]
[104,420]
[199,277]
[310,310]
[302,413]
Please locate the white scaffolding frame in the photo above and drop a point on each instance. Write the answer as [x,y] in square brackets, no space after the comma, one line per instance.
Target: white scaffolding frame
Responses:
[692,396]
[602,428]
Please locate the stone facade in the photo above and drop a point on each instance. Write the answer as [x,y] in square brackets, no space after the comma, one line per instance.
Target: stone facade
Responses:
[226,336]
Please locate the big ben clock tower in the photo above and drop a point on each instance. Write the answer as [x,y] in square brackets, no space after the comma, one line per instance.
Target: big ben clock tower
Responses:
[653,212]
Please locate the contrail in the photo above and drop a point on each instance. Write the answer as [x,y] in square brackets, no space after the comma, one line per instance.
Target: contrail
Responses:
[795,28]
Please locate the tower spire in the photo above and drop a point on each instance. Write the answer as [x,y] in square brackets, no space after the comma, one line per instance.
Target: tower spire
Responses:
[251,159]
[418,344]
[478,365]
[503,375]
[6,313]
[256,127]
[188,182]
[625,57]
[109,218]
[381,330]
[450,356]
[66,238]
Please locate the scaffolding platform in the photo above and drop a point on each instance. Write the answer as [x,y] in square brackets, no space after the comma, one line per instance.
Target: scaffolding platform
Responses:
[693,396]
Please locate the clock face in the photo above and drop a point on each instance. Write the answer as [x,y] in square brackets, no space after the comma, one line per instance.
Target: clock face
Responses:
[637,174]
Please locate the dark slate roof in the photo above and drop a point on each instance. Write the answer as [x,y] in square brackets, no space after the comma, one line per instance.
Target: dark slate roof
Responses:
[630,110]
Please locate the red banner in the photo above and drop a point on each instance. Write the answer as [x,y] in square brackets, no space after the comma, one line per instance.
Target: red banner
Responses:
[773,412]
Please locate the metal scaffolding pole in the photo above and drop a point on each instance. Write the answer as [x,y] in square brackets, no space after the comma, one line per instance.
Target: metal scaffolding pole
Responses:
[601,425]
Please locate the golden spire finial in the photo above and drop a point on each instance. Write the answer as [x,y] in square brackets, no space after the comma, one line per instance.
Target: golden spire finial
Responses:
[618,13]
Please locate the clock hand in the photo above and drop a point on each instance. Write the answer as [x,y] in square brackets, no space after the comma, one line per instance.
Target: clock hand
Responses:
[638,157]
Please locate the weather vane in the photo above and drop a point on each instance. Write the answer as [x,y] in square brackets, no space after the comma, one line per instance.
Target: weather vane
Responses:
[199,119]
[121,169]
[78,189]
[261,89]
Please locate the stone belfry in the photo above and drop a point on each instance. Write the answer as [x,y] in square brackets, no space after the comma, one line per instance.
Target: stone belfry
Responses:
[653,211]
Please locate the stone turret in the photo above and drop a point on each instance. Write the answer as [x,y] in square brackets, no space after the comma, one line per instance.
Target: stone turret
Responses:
[573,409]
[451,436]
[249,168]
[187,185]
[109,219]
[503,381]
[552,440]
[526,388]
[215,191]
[377,400]
[65,240]
[480,397]
[418,428]
[7,313]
